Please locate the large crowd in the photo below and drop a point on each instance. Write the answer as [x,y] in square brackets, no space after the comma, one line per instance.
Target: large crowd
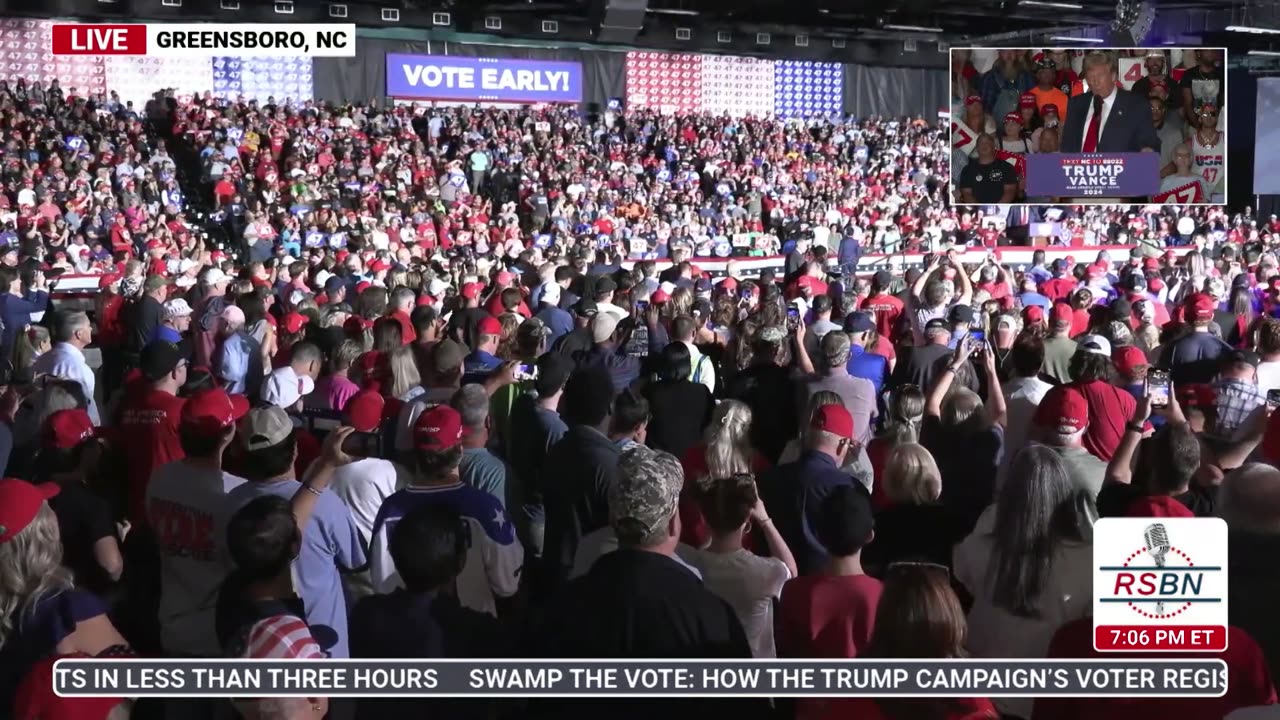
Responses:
[445,383]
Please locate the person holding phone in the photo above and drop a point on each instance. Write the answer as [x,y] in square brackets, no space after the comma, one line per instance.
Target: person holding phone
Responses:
[1238,395]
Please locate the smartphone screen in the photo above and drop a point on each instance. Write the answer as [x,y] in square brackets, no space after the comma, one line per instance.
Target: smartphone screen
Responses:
[1273,398]
[526,371]
[642,306]
[977,335]
[361,444]
[1158,388]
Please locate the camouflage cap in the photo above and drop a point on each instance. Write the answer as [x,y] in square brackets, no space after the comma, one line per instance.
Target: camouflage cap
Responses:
[645,496]
[772,334]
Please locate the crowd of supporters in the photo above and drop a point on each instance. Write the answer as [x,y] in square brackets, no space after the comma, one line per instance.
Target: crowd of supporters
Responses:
[450,383]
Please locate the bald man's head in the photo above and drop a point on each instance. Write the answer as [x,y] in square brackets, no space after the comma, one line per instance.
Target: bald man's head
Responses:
[1250,499]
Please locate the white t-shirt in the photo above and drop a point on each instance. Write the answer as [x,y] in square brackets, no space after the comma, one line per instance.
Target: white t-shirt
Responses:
[1021,396]
[1269,375]
[921,317]
[750,584]
[363,485]
[182,502]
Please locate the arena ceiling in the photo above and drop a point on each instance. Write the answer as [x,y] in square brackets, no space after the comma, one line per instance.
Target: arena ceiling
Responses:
[987,22]
[956,20]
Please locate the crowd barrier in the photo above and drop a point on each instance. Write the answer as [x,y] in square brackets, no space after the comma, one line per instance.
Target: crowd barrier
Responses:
[82,285]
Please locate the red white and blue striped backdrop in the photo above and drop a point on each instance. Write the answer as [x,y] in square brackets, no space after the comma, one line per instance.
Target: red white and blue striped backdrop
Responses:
[676,82]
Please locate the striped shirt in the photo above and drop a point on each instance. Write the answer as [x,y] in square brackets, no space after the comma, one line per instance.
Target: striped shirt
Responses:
[282,637]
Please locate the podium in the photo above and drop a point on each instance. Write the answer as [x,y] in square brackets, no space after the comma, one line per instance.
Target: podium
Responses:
[1093,177]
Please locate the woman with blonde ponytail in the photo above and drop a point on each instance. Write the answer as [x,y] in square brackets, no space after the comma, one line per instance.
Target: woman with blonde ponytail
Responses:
[725,451]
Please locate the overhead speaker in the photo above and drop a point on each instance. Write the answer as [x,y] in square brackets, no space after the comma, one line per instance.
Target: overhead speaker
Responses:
[618,21]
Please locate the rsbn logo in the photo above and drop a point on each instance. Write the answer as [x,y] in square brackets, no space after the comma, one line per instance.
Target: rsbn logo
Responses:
[1160,584]
[1158,579]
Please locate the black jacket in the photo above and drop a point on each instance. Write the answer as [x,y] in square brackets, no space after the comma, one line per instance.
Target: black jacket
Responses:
[638,604]
[147,315]
[582,468]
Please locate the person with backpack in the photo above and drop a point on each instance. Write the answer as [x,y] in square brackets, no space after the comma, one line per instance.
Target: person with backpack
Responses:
[702,368]
[204,328]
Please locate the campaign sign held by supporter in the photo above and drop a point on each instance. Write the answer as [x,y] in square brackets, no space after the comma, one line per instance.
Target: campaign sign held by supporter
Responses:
[1093,175]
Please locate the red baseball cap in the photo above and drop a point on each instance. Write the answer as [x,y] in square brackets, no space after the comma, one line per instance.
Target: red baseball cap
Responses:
[1049,109]
[364,410]
[439,428]
[505,278]
[1013,117]
[729,284]
[425,299]
[806,282]
[211,412]
[356,325]
[1027,100]
[362,286]
[1128,359]
[66,429]
[19,503]
[378,265]
[489,326]
[155,244]
[373,365]
[834,419]
[294,322]
[1199,307]
[1061,314]
[471,290]
[659,296]
[1065,410]
[1199,395]
[973,100]
[1033,314]
[108,280]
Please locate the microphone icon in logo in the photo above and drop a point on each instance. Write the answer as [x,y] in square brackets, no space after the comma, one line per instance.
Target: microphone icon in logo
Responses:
[1157,540]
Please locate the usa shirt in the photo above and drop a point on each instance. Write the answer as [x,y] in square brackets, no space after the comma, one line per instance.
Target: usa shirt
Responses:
[494,555]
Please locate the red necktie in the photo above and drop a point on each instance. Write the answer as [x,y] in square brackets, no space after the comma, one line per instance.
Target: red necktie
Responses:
[1095,126]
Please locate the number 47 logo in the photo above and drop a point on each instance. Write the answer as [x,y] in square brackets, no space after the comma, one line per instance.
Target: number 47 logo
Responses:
[963,138]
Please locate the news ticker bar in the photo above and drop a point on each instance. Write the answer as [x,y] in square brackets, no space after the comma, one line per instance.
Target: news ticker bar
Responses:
[640,678]
[204,39]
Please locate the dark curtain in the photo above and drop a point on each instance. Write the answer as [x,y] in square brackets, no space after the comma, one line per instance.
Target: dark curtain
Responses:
[359,78]
[894,91]
[604,76]
[365,75]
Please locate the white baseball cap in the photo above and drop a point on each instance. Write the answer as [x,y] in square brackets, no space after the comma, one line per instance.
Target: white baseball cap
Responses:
[284,387]
[1095,344]
[214,275]
[176,308]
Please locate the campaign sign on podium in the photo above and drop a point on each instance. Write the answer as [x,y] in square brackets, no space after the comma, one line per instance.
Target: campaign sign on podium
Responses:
[1084,175]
